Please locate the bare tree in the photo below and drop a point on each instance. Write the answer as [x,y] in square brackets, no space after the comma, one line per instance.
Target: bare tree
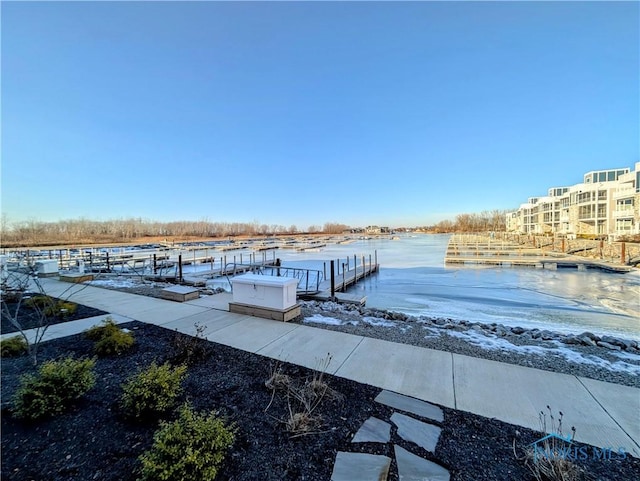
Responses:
[16,288]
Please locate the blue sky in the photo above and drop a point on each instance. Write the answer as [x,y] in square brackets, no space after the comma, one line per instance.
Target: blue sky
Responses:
[301,113]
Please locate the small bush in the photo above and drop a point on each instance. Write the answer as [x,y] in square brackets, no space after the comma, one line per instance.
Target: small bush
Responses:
[96,333]
[192,447]
[61,309]
[110,339]
[13,346]
[51,307]
[53,388]
[115,344]
[153,391]
[40,302]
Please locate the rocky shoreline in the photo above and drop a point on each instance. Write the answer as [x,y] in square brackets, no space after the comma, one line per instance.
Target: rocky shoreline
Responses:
[589,355]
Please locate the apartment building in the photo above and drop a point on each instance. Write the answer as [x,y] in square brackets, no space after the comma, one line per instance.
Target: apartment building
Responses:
[605,203]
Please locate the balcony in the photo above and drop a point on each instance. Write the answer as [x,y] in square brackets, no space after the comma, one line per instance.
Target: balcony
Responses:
[624,193]
[623,213]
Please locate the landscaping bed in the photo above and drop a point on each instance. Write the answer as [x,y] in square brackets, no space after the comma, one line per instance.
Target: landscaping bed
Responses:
[30,317]
[93,440]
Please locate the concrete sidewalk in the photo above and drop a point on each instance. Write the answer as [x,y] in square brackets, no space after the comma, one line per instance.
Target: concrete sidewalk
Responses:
[604,414]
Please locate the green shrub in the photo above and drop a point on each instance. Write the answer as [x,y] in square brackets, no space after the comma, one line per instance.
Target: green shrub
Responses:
[53,388]
[153,391]
[41,302]
[61,309]
[96,333]
[52,307]
[13,346]
[192,447]
[110,339]
[115,344]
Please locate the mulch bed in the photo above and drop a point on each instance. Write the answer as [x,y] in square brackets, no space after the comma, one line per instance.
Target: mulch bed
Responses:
[92,441]
[30,317]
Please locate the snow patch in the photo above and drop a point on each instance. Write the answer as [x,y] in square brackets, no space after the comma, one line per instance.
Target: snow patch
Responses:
[329,321]
[376,321]
[490,342]
[114,283]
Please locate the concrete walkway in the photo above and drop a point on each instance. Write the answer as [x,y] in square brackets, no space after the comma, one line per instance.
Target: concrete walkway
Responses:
[605,415]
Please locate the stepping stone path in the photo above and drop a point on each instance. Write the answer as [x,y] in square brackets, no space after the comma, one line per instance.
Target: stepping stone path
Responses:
[370,467]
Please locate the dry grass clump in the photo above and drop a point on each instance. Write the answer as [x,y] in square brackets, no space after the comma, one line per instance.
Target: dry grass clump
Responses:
[190,350]
[552,458]
[303,397]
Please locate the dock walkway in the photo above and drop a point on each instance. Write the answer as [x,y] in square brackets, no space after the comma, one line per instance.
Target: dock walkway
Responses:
[341,282]
[605,415]
[480,250]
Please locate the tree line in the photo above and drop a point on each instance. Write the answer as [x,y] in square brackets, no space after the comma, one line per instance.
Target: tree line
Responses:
[494,220]
[75,231]
[79,231]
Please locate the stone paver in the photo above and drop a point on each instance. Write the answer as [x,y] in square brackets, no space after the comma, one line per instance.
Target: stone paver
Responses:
[373,430]
[414,468]
[411,405]
[410,429]
[360,467]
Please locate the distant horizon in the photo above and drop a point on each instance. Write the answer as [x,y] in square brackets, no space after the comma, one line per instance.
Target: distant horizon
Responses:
[305,113]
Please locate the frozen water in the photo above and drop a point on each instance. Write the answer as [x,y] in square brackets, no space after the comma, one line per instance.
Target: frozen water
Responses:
[414,280]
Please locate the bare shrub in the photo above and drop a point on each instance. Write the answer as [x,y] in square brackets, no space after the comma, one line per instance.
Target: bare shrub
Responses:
[189,350]
[303,397]
[550,458]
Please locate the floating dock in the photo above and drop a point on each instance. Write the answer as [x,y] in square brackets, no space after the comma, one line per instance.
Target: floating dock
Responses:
[481,250]
[341,282]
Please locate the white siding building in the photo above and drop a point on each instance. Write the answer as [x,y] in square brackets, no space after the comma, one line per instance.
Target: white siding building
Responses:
[606,203]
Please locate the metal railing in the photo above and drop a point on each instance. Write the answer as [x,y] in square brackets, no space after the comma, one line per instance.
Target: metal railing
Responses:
[309,280]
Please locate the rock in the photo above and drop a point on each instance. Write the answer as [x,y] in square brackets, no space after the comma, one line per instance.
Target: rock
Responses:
[547,335]
[609,339]
[501,331]
[399,316]
[609,346]
[590,335]
[572,340]
[518,330]
[587,341]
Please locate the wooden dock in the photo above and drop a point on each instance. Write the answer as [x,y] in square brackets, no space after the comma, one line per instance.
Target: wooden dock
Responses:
[481,250]
[341,282]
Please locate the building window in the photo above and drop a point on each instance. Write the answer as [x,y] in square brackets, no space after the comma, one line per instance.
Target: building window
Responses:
[624,225]
[602,210]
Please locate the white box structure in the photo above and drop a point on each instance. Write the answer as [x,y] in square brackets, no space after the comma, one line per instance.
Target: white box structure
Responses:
[270,297]
[47,268]
[265,291]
